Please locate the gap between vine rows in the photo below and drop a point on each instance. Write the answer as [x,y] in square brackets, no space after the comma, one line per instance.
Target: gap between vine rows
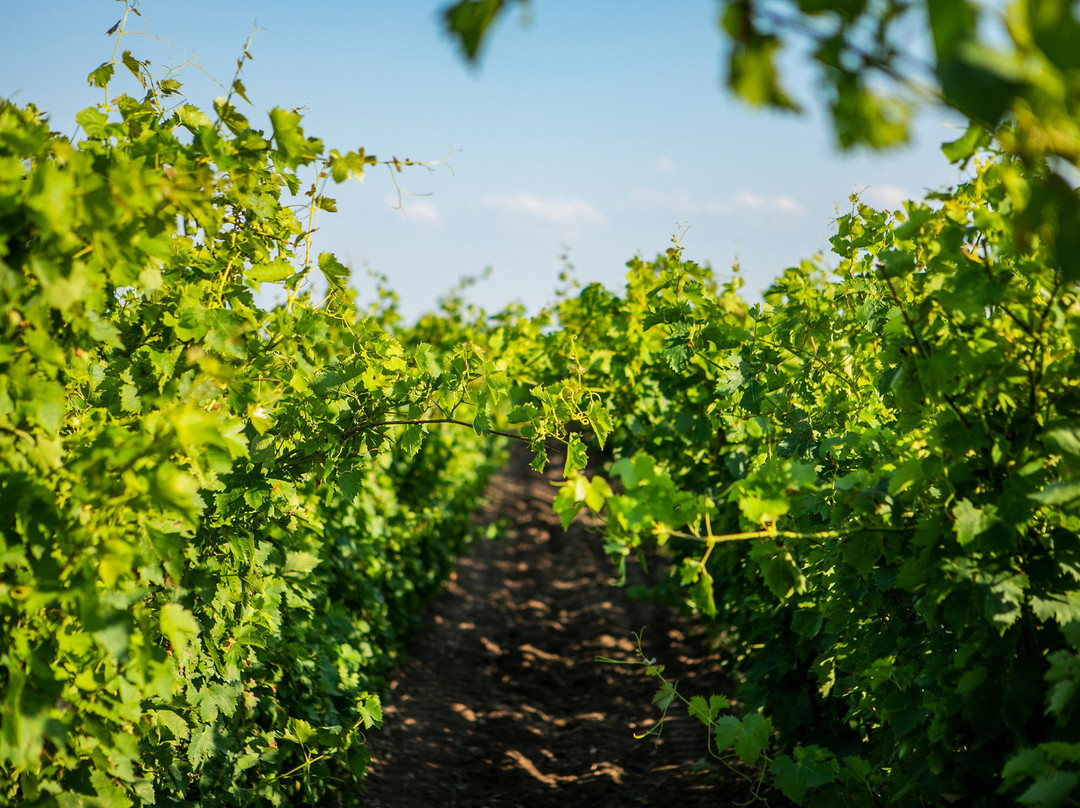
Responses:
[500,702]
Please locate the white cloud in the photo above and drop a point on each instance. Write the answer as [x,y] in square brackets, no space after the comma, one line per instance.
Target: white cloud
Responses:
[416,210]
[666,164]
[677,201]
[551,209]
[780,204]
[683,203]
[422,211]
[890,197]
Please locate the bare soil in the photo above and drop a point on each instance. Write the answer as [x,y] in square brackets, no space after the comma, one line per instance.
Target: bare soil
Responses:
[501,701]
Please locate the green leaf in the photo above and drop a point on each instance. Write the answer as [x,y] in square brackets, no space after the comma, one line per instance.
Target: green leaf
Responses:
[299,563]
[259,418]
[699,709]
[577,457]
[351,483]
[540,457]
[522,413]
[192,117]
[635,470]
[239,88]
[299,730]
[481,424]
[600,421]
[1062,608]
[169,720]
[753,738]
[350,165]
[726,731]
[108,793]
[134,65]
[763,511]
[965,146]
[178,626]
[863,116]
[230,116]
[93,121]
[857,766]
[412,438]
[706,712]
[129,398]
[202,746]
[468,22]
[115,637]
[1025,763]
[1053,790]
[272,272]
[810,767]
[101,75]
[370,711]
[702,593]
[218,699]
[970,521]
[597,494]
[292,146]
[336,273]
[1065,440]
[567,502]
[178,491]
[907,474]
[780,570]
[665,695]
[752,73]
[1062,492]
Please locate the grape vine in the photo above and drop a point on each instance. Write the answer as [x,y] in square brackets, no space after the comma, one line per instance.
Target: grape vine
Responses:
[219,517]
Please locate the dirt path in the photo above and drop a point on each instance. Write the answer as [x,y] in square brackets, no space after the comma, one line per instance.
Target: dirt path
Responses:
[501,702]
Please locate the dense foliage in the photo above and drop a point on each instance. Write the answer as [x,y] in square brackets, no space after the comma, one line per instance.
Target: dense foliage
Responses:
[218,518]
[223,501]
[869,483]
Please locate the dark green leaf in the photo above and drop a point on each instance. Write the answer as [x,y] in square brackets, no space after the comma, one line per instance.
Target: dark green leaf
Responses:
[468,22]
[101,75]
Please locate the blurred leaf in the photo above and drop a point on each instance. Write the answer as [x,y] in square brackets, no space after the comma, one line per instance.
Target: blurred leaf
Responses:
[1051,791]
[468,22]
[178,626]
[965,146]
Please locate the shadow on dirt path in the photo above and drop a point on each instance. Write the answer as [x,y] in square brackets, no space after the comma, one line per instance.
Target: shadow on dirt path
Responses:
[501,702]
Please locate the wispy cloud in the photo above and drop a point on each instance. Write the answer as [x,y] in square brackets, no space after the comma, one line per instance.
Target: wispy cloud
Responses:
[891,197]
[781,204]
[422,211]
[550,209]
[683,203]
[647,199]
[666,164]
[417,210]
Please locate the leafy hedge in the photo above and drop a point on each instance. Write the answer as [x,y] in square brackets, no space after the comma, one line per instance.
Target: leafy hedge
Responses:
[870,484]
[218,516]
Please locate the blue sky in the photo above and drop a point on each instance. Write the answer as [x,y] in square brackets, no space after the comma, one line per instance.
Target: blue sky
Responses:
[591,129]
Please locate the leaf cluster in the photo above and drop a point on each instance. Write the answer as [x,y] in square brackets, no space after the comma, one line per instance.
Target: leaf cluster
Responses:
[868,484]
[220,509]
